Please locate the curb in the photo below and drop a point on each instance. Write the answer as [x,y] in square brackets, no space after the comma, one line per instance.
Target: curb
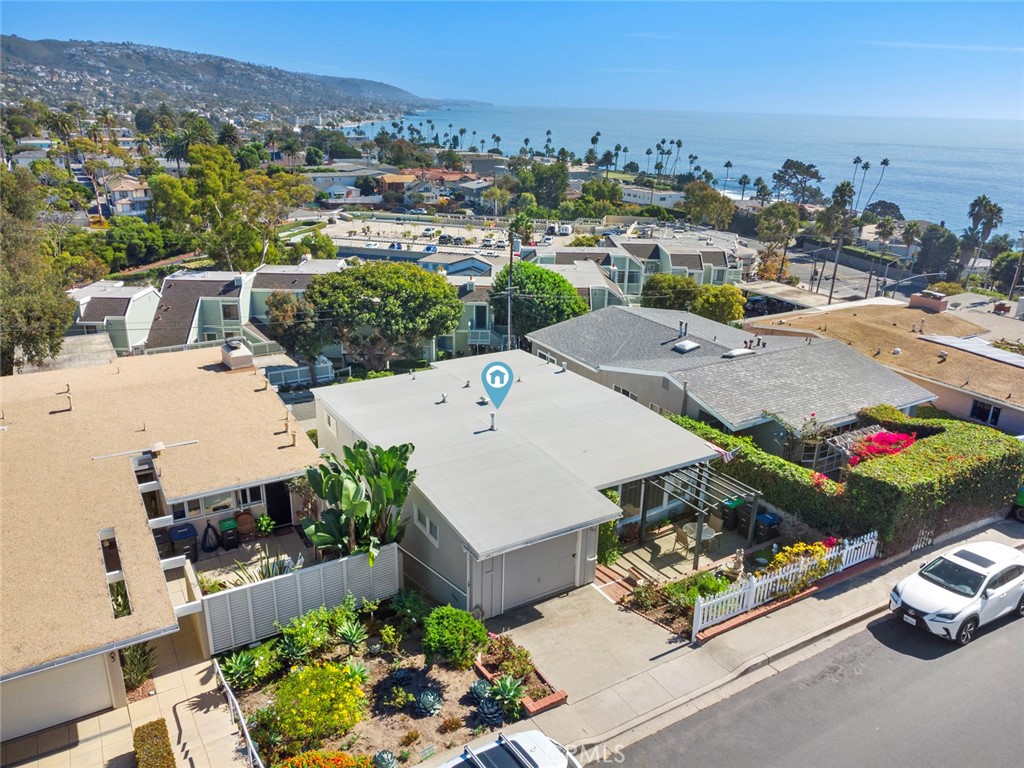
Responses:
[751,665]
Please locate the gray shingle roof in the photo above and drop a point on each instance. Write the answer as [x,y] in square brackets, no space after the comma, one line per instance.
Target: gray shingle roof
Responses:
[633,337]
[643,250]
[98,308]
[294,281]
[172,320]
[826,378]
[689,260]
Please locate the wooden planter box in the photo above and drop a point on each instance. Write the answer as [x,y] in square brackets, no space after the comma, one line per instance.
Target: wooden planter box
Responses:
[531,706]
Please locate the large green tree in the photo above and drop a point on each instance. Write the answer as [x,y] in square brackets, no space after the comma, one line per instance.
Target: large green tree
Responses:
[293,323]
[721,303]
[665,291]
[939,251]
[34,309]
[380,310]
[776,226]
[1004,268]
[798,180]
[268,201]
[702,203]
[540,298]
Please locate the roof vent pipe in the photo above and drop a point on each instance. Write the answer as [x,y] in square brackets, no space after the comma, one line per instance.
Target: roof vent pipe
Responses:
[466,385]
[444,397]
[295,437]
[563,366]
[921,327]
[71,403]
[494,427]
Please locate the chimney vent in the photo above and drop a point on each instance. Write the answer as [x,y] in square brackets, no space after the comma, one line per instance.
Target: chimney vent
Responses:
[71,403]
[466,385]
[444,397]
[494,427]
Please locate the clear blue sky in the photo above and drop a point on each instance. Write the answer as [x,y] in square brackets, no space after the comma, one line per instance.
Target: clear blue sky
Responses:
[933,59]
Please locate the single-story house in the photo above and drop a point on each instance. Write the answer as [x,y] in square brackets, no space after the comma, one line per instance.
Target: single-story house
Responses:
[776,390]
[933,347]
[506,505]
[98,462]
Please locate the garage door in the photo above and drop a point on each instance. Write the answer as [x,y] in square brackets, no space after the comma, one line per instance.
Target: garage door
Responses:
[35,702]
[540,570]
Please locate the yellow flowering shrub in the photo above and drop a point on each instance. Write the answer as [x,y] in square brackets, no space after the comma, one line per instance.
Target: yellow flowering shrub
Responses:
[817,558]
[318,701]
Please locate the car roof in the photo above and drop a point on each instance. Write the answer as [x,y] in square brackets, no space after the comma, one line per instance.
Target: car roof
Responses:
[986,556]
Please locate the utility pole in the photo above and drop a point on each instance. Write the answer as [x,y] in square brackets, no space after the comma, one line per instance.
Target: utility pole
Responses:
[1020,268]
[511,256]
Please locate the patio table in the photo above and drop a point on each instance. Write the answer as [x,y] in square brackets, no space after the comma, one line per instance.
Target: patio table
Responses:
[707,534]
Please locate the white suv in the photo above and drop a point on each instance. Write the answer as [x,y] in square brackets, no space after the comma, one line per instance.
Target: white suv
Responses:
[529,749]
[957,592]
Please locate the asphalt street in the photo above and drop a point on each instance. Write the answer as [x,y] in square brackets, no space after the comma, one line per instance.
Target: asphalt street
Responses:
[849,282]
[888,696]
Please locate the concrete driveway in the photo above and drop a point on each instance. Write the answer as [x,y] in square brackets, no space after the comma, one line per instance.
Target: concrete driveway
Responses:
[584,643]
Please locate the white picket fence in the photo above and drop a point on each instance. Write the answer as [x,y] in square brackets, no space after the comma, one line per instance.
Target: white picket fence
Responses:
[250,613]
[746,595]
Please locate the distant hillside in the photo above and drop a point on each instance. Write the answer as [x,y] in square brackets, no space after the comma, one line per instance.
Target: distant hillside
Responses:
[116,74]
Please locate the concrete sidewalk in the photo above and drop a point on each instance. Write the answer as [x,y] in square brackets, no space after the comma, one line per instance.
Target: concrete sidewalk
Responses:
[665,687]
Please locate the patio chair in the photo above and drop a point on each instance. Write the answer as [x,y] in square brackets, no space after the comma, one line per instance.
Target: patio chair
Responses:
[715,524]
[681,539]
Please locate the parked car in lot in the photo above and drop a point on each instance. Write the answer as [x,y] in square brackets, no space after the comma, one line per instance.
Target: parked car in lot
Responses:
[547,240]
[459,241]
[500,244]
[488,242]
[430,249]
[427,232]
[418,211]
[395,247]
[961,590]
[444,240]
[528,749]
[371,245]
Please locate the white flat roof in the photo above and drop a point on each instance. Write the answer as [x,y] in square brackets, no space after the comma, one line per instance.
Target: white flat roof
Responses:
[559,438]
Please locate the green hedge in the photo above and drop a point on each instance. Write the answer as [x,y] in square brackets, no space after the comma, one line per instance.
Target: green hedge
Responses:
[955,473]
[152,745]
[813,498]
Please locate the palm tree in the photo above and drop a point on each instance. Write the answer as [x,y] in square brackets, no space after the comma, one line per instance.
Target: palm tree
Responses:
[856,167]
[229,137]
[842,195]
[472,139]
[693,159]
[94,133]
[864,167]
[884,164]
[291,147]
[885,230]
[618,149]
[649,153]
[106,119]
[744,182]
[679,153]
[911,231]
[462,137]
[970,242]
[176,149]
[728,167]
[988,216]
[625,154]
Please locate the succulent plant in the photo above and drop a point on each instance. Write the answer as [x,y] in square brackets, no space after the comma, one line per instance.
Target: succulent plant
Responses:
[352,633]
[480,690]
[385,759]
[292,650]
[402,675]
[428,704]
[360,670]
[489,712]
[508,692]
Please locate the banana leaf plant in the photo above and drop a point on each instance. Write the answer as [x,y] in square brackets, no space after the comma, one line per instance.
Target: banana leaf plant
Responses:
[339,525]
[366,494]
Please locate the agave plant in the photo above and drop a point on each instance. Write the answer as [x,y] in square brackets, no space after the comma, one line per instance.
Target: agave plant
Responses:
[292,650]
[508,692]
[385,759]
[267,568]
[402,675]
[352,633]
[489,712]
[480,690]
[358,670]
[428,704]
[240,668]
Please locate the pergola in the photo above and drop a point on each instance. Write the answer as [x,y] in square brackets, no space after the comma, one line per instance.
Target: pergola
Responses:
[703,489]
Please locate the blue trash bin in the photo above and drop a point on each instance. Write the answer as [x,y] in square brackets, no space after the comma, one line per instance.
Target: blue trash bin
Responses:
[185,541]
[767,527]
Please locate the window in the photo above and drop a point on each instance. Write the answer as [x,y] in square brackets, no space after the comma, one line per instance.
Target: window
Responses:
[1008,576]
[984,412]
[625,392]
[219,503]
[331,424]
[251,496]
[229,311]
[425,524]
[191,508]
[719,276]
[657,408]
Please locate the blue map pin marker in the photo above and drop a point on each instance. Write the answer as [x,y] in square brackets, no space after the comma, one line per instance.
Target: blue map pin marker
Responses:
[497,379]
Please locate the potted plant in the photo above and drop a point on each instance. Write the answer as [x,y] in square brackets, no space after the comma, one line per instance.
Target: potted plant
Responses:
[264,525]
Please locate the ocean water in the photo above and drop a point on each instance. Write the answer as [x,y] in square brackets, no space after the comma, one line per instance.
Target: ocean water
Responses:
[937,167]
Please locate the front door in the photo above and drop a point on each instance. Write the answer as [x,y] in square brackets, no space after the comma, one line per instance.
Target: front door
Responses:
[279,503]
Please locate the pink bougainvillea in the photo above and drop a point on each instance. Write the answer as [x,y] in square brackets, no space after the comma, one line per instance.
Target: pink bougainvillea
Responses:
[880,444]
